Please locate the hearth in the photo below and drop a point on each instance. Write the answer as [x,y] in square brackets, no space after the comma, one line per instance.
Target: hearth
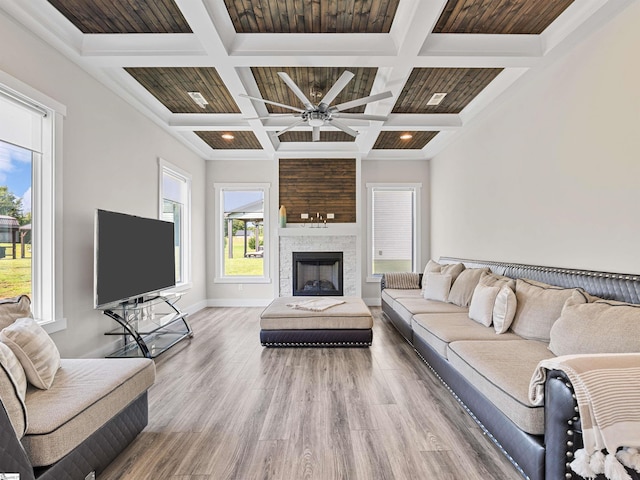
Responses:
[317,274]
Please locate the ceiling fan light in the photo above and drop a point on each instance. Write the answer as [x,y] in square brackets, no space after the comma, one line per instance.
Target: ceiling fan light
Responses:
[316,122]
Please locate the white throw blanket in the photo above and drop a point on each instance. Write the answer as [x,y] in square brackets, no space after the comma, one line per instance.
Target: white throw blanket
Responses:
[316,304]
[607,389]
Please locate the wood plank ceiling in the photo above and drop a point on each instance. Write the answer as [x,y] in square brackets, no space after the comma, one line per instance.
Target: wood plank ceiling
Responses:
[220,77]
[123,16]
[312,80]
[461,85]
[499,16]
[318,16]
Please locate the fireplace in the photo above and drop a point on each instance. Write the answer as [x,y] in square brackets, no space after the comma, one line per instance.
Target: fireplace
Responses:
[317,273]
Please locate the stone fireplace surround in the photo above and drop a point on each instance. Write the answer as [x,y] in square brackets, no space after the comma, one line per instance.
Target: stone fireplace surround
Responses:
[332,239]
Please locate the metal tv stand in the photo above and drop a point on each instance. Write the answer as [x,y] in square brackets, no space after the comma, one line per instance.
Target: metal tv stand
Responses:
[145,332]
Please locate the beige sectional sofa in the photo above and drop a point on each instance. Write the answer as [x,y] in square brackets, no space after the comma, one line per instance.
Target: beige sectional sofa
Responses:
[450,323]
[63,418]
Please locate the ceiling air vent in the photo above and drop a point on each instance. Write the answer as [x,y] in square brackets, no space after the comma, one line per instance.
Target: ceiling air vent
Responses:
[436,98]
[198,98]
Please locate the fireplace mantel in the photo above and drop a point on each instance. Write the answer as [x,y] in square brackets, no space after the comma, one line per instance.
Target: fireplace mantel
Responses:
[332,229]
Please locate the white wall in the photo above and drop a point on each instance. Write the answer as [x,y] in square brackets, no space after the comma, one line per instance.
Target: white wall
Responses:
[551,177]
[392,171]
[110,161]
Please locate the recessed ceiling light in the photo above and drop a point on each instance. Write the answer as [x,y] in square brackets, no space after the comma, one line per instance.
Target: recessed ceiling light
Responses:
[228,136]
[198,98]
[406,136]
[436,98]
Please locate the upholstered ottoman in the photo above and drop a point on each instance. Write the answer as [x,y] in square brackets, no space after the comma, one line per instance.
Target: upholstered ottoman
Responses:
[348,324]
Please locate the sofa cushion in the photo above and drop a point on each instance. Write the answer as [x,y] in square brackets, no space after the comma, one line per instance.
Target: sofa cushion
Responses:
[539,306]
[600,327]
[14,308]
[389,295]
[13,387]
[481,308]
[462,290]
[437,286]
[438,330]
[504,310]
[408,307]
[501,371]
[34,348]
[85,395]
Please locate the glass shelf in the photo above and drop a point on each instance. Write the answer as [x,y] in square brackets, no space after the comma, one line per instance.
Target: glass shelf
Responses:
[145,332]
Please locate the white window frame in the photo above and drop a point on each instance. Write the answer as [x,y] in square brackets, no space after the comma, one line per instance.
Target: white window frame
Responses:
[46,188]
[416,188]
[167,168]
[220,277]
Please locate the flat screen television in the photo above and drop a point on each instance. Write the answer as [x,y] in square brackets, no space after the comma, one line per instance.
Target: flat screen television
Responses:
[133,257]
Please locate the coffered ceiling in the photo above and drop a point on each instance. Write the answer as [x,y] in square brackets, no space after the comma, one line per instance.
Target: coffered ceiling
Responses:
[165,56]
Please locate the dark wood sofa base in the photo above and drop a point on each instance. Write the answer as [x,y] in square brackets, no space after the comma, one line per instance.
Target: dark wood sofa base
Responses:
[317,338]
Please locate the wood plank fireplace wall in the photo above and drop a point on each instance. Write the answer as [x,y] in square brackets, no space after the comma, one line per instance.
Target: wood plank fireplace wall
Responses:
[318,185]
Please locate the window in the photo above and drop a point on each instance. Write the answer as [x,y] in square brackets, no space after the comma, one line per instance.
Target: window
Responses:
[29,231]
[175,206]
[243,226]
[393,228]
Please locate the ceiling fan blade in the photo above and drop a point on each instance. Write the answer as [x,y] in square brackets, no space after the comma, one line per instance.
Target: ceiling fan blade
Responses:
[292,85]
[273,115]
[341,126]
[336,89]
[360,116]
[293,125]
[273,103]
[316,134]
[362,101]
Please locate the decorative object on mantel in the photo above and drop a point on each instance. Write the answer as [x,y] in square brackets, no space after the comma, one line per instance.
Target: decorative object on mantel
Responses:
[304,217]
[283,216]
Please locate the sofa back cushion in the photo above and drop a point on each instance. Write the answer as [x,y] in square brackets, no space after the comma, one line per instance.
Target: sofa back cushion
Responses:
[600,327]
[539,305]
[13,388]
[14,308]
[462,290]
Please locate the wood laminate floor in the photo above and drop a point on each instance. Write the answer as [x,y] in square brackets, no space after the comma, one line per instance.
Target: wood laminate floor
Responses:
[224,407]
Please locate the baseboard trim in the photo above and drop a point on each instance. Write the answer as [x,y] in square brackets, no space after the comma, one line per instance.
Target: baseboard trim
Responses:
[239,302]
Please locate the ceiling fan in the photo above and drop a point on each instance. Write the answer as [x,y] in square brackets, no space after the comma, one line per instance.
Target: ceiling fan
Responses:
[323,113]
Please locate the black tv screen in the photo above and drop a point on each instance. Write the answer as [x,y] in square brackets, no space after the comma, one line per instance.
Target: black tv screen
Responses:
[134,257]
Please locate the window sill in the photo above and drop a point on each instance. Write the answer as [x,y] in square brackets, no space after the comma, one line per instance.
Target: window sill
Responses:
[241,280]
[54,326]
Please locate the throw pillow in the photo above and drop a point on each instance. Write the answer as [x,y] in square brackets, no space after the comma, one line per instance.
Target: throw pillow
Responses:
[599,327]
[402,280]
[462,289]
[504,309]
[437,287]
[34,348]
[539,306]
[482,302]
[13,388]
[14,308]
[430,267]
